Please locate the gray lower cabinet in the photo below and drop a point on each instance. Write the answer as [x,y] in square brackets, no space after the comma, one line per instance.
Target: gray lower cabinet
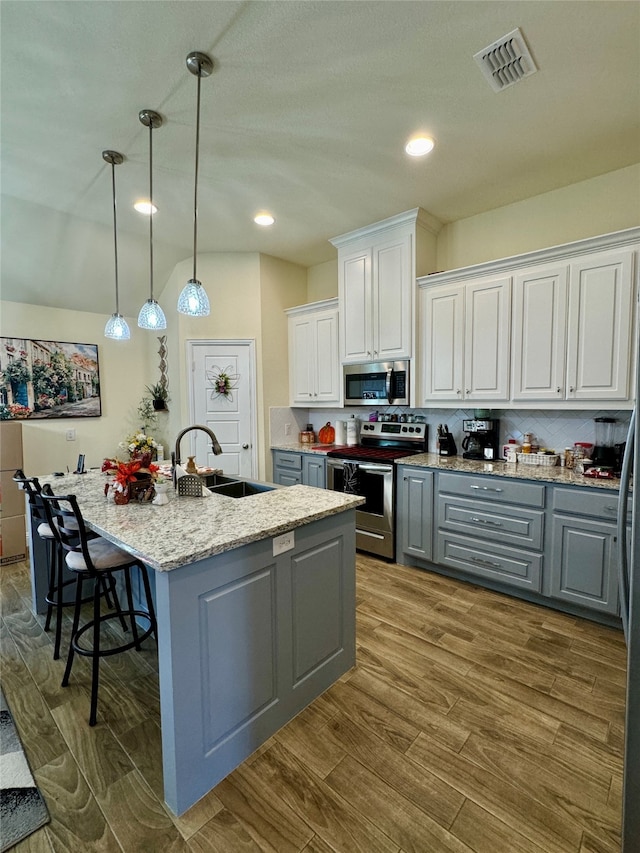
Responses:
[491,528]
[314,470]
[583,567]
[555,542]
[416,511]
[291,468]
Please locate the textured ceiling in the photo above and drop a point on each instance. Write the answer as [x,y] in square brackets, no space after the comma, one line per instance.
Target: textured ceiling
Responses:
[306,115]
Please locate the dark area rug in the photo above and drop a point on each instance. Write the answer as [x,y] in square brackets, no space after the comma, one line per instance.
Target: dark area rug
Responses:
[22,809]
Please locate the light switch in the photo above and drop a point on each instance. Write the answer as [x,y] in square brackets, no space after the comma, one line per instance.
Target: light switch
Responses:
[71,435]
[283,543]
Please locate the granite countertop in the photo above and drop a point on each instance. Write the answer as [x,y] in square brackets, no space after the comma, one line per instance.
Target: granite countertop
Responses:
[304,448]
[190,529]
[541,473]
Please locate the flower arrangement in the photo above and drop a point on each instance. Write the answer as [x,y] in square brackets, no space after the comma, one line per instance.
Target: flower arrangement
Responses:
[139,444]
[127,474]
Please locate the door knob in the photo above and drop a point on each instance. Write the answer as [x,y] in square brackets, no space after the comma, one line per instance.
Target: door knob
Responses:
[245,446]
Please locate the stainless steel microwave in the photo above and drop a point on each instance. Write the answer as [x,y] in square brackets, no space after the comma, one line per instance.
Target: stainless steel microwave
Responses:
[377,383]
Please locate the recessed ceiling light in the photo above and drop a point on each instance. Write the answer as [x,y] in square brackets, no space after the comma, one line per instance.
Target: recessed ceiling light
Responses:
[264,219]
[144,207]
[419,146]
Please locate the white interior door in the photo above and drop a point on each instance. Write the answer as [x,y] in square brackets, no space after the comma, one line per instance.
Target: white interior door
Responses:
[222,396]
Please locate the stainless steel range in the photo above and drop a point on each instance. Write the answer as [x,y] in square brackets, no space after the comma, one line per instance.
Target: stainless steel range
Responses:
[367,469]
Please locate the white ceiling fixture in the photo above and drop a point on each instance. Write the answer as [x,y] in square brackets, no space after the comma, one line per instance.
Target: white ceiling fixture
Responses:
[264,219]
[418,146]
[506,61]
[117,327]
[145,207]
[193,299]
[151,315]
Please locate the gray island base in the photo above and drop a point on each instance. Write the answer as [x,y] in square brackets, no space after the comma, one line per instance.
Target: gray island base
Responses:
[247,638]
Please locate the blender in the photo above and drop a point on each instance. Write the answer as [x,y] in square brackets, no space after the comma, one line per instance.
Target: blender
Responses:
[604,452]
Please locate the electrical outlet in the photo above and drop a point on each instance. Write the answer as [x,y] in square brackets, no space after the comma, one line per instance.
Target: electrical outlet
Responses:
[71,435]
[287,429]
[284,543]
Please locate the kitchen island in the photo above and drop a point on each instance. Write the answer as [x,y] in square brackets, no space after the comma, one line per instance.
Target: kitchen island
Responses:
[255,601]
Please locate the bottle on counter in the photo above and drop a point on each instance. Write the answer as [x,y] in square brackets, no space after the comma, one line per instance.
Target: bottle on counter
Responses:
[352,431]
[526,443]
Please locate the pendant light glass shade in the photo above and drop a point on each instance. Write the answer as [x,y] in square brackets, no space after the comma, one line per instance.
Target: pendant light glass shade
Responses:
[193,300]
[151,315]
[116,327]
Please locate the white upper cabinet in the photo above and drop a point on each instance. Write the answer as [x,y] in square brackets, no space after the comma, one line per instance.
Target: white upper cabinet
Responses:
[376,285]
[568,339]
[465,341]
[599,329]
[314,363]
[539,333]
[572,329]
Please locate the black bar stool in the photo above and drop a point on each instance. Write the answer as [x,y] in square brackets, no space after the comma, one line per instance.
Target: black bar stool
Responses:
[42,523]
[91,560]
[56,583]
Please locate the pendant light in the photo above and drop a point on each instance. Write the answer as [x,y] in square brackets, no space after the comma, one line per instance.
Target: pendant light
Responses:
[116,327]
[151,315]
[194,300]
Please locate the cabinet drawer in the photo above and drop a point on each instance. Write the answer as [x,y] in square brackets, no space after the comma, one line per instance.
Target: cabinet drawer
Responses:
[505,524]
[493,489]
[498,563]
[293,461]
[585,501]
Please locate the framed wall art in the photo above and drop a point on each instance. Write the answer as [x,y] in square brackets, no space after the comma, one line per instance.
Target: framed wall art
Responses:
[48,379]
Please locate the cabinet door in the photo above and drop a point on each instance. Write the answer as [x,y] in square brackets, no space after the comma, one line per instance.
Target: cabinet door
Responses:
[539,333]
[287,478]
[583,563]
[599,330]
[327,373]
[416,512]
[442,342]
[301,359]
[314,471]
[355,306]
[392,299]
[487,339]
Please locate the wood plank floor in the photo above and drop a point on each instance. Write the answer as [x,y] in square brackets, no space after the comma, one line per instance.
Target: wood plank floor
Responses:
[471,722]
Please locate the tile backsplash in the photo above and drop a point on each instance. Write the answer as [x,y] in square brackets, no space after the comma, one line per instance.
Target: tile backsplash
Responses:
[552,429]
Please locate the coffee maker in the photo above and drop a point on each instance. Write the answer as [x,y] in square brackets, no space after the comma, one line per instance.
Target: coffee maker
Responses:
[481,440]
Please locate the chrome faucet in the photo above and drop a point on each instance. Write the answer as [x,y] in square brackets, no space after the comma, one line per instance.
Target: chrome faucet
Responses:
[215,446]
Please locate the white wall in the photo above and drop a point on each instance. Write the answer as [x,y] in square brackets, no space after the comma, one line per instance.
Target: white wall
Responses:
[124,372]
[600,205]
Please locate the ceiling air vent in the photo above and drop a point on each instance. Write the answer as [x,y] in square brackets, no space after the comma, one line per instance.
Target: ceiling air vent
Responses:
[506,61]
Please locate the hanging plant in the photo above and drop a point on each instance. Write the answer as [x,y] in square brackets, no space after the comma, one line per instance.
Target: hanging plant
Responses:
[17,372]
[222,381]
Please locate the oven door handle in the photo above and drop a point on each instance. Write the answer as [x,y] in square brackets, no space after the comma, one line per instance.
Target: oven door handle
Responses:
[388,385]
[375,468]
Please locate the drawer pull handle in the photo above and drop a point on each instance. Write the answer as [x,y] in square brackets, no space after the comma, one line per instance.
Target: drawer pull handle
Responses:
[486,521]
[485,489]
[488,563]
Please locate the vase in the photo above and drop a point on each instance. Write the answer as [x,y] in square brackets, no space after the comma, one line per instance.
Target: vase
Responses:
[161,494]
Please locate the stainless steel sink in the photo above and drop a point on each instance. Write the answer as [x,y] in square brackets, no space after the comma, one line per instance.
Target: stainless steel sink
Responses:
[240,489]
[234,487]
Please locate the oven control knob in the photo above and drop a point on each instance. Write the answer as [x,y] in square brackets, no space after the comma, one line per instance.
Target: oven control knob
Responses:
[411,429]
[404,429]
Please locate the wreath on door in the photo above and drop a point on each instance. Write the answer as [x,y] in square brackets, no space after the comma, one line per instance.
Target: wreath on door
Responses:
[223,381]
